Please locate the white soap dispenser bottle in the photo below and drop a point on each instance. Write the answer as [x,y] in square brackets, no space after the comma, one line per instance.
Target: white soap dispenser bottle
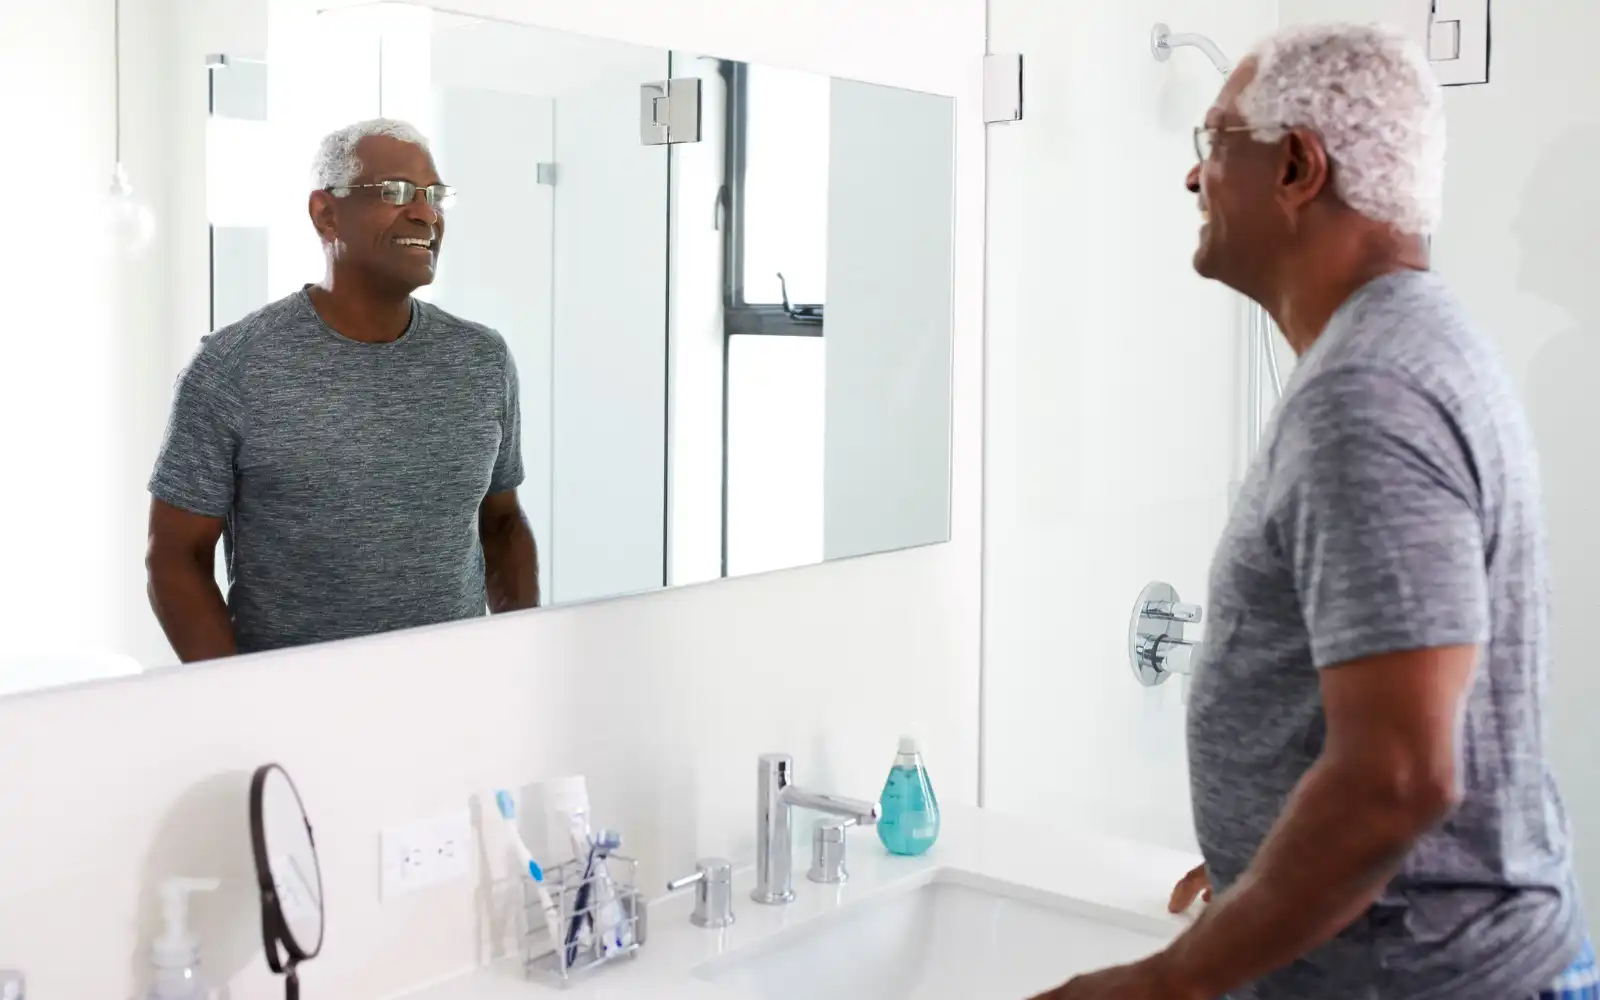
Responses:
[175,955]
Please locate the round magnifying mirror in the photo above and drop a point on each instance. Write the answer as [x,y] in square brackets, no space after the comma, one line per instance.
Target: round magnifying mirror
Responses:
[287,874]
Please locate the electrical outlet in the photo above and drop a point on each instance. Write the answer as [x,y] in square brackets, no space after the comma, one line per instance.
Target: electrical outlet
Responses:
[452,847]
[426,853]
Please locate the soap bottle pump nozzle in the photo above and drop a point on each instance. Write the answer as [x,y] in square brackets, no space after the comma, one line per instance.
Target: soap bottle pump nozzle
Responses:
[177,951]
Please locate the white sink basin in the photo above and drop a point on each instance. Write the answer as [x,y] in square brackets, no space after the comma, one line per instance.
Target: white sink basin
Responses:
[956,935]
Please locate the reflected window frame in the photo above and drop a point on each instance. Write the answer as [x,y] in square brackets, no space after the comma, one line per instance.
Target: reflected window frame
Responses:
[739,316]
[782,319]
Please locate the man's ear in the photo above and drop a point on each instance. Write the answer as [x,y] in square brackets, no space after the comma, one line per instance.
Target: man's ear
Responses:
[1304,170]
[322,211]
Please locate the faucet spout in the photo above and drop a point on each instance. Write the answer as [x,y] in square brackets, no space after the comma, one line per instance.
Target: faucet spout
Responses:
[777,798]
[863,812]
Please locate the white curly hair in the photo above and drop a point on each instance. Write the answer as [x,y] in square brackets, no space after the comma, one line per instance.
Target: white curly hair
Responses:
[337,164]
[1369,92]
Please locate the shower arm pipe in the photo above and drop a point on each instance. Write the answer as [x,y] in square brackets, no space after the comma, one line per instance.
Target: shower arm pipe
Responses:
[1163,40]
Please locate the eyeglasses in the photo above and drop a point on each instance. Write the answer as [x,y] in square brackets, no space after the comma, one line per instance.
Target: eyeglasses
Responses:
[1205,142]
[402,193]
[1205,137]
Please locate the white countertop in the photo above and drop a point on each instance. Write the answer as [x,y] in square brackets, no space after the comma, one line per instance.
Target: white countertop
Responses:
[1127,883]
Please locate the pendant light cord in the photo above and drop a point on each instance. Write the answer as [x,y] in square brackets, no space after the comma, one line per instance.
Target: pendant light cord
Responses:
[116,62]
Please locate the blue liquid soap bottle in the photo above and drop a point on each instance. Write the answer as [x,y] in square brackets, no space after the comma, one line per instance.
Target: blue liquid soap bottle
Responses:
[910,821]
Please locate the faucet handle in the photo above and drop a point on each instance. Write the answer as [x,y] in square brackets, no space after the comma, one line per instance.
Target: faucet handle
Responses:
[713,893]
[828,851]
[1172,611]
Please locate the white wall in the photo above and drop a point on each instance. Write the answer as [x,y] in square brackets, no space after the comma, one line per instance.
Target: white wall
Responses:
[887,439]
[1112,404]
[107,789]
[1519,243]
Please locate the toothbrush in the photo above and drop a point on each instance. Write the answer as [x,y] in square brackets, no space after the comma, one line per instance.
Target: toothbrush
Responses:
[508,812]
[594,871]
[615,933]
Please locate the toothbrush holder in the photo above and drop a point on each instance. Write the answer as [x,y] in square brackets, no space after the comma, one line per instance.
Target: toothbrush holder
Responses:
[545,959]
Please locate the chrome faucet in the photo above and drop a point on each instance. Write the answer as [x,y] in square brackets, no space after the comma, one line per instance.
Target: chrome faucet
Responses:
[777,797]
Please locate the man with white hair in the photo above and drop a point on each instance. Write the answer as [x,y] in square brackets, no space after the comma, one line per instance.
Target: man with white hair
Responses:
[1367,753]
[357,450]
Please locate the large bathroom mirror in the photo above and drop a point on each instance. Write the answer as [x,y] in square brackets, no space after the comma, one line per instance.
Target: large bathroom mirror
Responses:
[724,290]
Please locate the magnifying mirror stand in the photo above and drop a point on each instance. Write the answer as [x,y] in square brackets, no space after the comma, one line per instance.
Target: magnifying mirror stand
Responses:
[288,875]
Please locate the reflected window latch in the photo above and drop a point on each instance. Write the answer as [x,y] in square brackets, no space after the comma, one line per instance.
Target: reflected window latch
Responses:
[800,314]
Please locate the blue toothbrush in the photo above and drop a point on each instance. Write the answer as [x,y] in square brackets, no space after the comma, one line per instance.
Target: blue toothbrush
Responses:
[508,812]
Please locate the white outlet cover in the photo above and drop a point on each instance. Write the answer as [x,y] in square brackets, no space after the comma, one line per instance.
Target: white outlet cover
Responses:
[452,847]
[426,853]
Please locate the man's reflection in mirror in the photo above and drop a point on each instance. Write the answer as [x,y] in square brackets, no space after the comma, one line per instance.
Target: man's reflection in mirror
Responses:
[356,450]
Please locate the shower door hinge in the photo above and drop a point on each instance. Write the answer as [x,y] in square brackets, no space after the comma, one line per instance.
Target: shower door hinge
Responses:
[669,112]
[545,173]
[1002,88]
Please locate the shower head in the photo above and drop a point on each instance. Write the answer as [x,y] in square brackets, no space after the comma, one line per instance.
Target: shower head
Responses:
[1163,41]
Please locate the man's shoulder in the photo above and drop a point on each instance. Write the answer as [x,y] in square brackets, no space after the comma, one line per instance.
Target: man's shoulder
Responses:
[1354,395]
[1413,327]
[1405,342]
[226,347]
[475,336]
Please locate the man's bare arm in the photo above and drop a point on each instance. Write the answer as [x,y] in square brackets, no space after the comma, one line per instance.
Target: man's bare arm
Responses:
[1387,774]
[181,570]
[510,557]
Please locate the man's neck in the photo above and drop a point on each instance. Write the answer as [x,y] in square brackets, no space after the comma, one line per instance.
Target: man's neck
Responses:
[361,313]
[1314,287]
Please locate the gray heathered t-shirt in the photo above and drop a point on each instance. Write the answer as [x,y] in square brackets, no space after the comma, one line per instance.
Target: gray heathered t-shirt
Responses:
[349,474]
[1394,506]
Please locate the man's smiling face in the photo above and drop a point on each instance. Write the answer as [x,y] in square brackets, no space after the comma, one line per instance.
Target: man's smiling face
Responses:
[392,245]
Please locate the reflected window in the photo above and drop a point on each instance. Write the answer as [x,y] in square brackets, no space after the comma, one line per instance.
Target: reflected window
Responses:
[775,258]
[774,452]
[775,200]
[785,185]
